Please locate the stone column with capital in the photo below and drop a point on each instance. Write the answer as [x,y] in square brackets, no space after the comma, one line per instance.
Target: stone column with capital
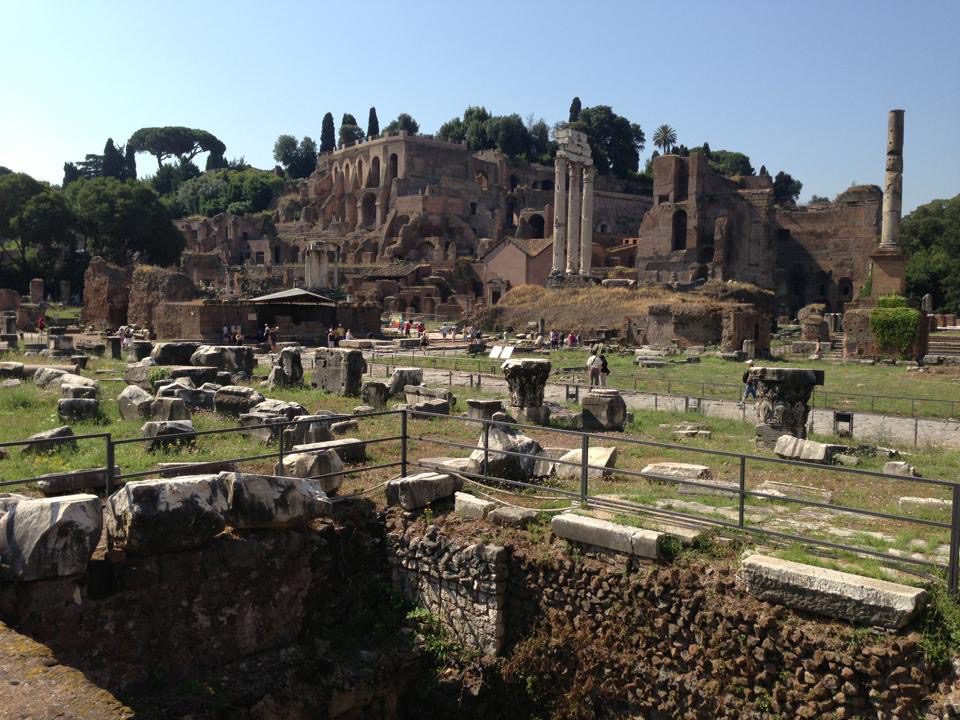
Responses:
[573,220]
[559,215]
[586,223]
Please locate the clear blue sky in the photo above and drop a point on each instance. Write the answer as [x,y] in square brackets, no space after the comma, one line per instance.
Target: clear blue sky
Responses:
[799,86]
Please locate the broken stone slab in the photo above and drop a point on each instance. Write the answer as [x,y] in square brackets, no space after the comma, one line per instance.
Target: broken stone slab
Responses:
[503,439]
[270,501]
[546,464]
[234,400]
[166,408]
[714,487]
[804,492]
[78,409]
[560,417]
[673,471]
[417,491]
[846,460]
[472,507]
[831,593]
[8,500]
[450,464]
[526,379]
[287,370]
[400,378]
[226,358]
[153,516]
[350,450]
[419,393]
[134,403]
[10,383]
[45,376]
[598,457]
[514,517]
[166,433]
[795,448]
[338,371]
[173,353]
[78,391]
[50,537]
[53,484]
[198,374]
[431,406]
[538,415]
[313,465]
[50,441]
[607,535]
[179,469]
[11,370]
[344,426]
[898,467]
[139,350]
[281,408]
[139,374]
[262,426]
[364,410]
[375,394]
[482,409]
[308,429]
[604,409]
[924,503]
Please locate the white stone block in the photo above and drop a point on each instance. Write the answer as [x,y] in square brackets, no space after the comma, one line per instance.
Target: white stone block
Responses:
[471,507]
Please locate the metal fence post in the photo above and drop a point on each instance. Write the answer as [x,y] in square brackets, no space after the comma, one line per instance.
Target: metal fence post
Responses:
[954,540]
[403,443]
[486,447]
[916,428]
[280,447]
[108,481]
[743,487]
[584,462]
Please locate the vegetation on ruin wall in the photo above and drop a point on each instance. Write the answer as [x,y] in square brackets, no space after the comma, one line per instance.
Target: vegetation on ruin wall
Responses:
[238,192]
[894,325]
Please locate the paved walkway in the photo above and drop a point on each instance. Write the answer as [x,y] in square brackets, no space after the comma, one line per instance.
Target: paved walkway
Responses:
[868,427]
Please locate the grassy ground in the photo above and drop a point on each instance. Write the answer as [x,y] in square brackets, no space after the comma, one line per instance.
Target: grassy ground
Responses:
[26,410]
[895,391]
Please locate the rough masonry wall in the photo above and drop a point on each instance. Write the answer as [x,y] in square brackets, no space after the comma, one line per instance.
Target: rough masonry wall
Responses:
[462,584]
[106,290]
[151,286]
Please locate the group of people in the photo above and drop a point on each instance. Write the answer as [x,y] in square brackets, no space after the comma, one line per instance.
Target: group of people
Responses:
[559,340]
[337,334]
[129,333]
[407,328]
[232,335]
[597,368]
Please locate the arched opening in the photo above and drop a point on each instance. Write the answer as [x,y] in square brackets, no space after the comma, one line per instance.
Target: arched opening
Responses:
[415,305]
[845,289]
[295,255]
[276,255]
[701,273]
[535,223]
[346,175]
[547,185]
[679,236]
[705,253]
[536,185]
[360,176]
[426,251]
[798,288]
[393,167]
[374,179]
[604,227]
[368,210]
[511,209]
[514,182]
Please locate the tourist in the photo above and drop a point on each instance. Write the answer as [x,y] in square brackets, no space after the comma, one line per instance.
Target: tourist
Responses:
[225,335]
[423,340]
[443,331]
[331,338]
[593,369]
[274,336]
[749,389]
[238,337]
[341,333]
[41,325]
[571,340]
[604,370]
[818,353]
[349,335]
[554,339]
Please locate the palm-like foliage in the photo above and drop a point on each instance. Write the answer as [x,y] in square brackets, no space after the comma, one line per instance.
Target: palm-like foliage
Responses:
[665,138]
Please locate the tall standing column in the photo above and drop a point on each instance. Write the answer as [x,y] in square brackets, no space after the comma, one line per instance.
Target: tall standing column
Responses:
[559,214]
[573,220]
[586,223]
[893,182]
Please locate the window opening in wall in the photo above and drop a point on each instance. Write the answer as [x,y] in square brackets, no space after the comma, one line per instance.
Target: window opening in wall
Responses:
[679,237]
[473,208]
[259,258]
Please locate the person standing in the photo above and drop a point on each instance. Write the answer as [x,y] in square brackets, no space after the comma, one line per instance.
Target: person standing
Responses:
[593,369]
[226,335]
[749,388]
[42,326]
[604,370]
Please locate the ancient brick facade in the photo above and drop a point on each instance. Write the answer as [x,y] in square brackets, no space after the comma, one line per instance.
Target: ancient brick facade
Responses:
[106,290]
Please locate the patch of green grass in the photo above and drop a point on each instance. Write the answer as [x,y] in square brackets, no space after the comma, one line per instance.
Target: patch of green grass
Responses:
[840,560]
[940,626]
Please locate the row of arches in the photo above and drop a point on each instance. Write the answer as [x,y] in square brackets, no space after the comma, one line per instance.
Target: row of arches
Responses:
[372,178]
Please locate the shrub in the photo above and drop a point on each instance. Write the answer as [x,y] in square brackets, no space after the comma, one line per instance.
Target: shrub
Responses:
[894,325]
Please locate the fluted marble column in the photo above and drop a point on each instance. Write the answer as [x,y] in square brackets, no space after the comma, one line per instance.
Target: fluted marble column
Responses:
[893,182]
[573,220]
[559,214]
[586,223]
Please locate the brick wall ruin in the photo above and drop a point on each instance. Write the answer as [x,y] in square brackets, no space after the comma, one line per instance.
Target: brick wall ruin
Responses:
[152,286]
[106,290]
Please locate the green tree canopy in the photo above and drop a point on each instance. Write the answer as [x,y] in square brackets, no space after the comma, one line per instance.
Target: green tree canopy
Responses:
[930,235]
[121,219]
[179,142]
[404,122]
[730,163]
[373,124]
[664,138]
[615,141]
[235,191]
[328,134]
[350,132]
[786,190]
[299,160]
[575,108]
[114,164]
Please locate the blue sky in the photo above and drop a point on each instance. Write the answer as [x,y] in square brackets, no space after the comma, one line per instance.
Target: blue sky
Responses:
[803,87]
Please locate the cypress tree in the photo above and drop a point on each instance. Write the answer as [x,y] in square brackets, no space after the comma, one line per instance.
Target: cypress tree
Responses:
[575,108]
[113,161]
[373,124]
[130,163]
[328,136]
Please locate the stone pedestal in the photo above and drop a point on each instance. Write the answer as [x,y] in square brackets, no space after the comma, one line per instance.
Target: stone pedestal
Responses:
[483,409]
[139,349]
[65,291]
[526,380]
[889,272]
[116,347]
[783,396]
[36,291]
[604,409]
[750,349]
[10,324]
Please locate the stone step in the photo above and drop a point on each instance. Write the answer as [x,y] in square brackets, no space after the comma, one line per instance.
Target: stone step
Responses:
[607,535]
[831,593]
